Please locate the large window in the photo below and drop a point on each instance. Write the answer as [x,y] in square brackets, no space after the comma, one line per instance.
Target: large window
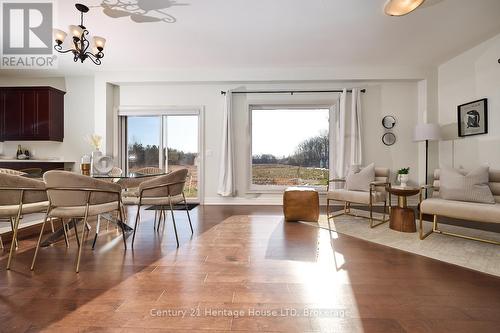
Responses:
[289,146]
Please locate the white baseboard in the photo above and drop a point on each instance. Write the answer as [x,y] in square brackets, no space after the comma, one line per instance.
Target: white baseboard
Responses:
[214,201]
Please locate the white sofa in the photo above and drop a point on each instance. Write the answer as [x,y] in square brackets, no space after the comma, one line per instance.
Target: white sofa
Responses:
[469,211]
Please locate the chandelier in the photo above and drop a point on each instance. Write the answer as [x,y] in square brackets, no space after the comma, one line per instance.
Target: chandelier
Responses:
[81,44]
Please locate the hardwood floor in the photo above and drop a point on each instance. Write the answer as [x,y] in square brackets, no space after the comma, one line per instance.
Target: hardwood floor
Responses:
[248,274]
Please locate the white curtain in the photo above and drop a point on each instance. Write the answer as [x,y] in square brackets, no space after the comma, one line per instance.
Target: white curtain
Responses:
[226,186]
[347,147]
[340,134]
[355,135]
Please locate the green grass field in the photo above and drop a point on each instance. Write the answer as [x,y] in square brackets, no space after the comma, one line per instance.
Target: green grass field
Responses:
[281,174]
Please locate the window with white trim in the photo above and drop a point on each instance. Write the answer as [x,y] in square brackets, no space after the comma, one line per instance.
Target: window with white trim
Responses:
[290,146]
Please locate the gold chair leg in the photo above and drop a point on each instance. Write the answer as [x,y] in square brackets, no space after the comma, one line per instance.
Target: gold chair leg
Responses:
[84,230]
[11,220]
[122,222]
[65,233]
[39,240]
[187,211]
[1,243]
[14,238]
[137,217]
[173,220]
[421,223]
[52,225]
[97,229]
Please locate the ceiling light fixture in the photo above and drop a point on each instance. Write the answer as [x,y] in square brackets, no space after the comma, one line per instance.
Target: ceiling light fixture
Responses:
[81,44]
[401,7]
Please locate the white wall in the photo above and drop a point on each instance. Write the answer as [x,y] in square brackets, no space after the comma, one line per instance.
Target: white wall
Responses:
[78,118]
[472,75]
[397,98]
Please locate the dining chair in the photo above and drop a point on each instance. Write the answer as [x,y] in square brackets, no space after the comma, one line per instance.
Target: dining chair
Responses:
[79,197]
[20,196]
[167,190]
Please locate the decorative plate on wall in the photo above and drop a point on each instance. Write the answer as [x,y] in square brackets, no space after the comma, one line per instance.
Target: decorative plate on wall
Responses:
[389,139]
[389,122]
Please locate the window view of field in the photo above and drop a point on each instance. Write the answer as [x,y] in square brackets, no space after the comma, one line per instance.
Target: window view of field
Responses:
[290,147]
[143,135]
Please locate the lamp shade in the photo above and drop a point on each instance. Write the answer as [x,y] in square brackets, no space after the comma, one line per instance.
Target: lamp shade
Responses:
[99,42]
[424,132]
[59,35]
[76,31]
[401,7]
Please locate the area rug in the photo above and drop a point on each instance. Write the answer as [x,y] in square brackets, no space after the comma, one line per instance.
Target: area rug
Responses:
[474,255]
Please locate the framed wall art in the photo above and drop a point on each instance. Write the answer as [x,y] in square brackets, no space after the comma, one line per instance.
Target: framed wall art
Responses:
[473,118]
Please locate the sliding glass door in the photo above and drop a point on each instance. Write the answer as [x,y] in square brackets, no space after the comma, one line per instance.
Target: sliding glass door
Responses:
[181,141]
[169,141]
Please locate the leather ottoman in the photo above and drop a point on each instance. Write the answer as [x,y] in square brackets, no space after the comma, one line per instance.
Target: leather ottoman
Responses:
[301,204]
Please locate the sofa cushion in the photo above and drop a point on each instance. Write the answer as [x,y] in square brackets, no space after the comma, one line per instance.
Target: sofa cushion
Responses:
[471,187]
[356,196]
[471,211]
[359,180]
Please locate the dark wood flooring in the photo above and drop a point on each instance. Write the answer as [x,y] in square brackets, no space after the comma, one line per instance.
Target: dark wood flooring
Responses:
[247,274]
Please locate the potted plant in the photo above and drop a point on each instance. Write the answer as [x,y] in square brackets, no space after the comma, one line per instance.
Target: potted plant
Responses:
[403,176]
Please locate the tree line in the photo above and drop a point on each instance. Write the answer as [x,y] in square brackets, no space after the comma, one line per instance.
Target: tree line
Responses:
[148,155]
[312,152]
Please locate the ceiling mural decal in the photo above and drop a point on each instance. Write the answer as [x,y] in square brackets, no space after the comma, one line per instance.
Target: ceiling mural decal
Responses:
[141,11]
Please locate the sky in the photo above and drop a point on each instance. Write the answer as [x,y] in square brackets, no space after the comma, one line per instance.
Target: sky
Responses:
[278,132]
[182,131]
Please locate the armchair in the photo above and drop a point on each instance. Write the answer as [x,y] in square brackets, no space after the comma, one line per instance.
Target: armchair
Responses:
[375,195]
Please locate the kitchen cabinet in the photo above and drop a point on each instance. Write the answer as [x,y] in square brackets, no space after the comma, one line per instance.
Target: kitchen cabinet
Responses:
[31,114]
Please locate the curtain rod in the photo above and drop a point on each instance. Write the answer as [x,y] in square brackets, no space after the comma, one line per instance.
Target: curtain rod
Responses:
[289,91]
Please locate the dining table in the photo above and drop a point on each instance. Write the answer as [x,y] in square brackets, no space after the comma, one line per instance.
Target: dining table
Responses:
[126,180]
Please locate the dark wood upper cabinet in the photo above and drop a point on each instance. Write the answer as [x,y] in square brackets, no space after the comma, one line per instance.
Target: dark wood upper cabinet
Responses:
[31,114]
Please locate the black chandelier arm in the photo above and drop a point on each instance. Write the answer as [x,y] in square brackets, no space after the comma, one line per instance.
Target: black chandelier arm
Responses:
[95,59]
[84,41]
[59,49]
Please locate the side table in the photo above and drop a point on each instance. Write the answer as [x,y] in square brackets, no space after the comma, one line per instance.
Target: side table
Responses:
[402,217]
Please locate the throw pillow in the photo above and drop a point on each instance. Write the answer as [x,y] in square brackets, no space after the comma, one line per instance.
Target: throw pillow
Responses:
[360,180]
[461,186]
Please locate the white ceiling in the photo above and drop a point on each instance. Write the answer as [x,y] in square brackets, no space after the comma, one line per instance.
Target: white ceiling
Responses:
[284,33]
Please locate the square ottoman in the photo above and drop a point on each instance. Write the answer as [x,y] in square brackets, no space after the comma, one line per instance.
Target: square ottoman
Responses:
[301,204]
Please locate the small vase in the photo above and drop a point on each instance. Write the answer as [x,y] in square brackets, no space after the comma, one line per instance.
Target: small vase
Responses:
[96,154]
[403,179]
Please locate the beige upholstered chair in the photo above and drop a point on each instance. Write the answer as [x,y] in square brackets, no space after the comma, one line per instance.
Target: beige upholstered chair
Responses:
[463,210]
[73,196]
[20,196]
[376,194]
[166,190]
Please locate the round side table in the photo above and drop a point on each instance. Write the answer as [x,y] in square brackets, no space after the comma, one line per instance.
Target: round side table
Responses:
[402,217]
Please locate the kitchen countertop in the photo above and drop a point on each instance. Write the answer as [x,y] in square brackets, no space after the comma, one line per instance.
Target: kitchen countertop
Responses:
[35,161]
